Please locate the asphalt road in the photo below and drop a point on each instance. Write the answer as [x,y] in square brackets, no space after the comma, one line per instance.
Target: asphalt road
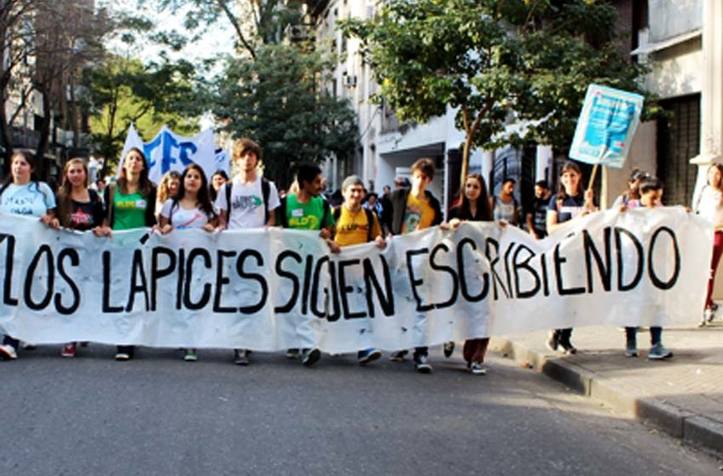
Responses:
[160,415]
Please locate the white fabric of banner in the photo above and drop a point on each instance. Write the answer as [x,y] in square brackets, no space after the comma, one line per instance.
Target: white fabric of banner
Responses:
[272,289]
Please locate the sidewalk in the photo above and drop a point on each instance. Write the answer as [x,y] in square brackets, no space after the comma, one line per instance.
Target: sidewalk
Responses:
[682,396]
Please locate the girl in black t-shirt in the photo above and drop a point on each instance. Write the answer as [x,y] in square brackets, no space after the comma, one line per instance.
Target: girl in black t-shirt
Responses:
[79,208]
[570,203]
[472,205]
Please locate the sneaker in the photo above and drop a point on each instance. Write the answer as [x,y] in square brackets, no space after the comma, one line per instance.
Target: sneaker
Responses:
[568,348]
[398,356]
[122,356]
[631,350]
[68,350]
[708,315]
[28,346]
[658,352]
[292,353]
[190,355]
[422,365]
[368,356]
[8,352]
[476,368]
[552,342]
[310,357]
[448,349]
[240,357]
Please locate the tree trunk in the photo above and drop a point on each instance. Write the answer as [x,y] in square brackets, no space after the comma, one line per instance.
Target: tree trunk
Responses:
[470,131]
[5,137]
[44,140]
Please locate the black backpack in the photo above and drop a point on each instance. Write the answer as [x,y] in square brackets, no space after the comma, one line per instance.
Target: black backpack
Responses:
[265,192]
[370,221]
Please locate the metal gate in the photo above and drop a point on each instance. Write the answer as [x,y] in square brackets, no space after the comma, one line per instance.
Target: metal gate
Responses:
[678,142]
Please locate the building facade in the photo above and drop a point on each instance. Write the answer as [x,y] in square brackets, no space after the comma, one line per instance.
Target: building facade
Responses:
[681,42]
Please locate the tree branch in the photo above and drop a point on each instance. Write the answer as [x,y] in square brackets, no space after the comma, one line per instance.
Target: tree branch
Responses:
[23,100]
[236,26]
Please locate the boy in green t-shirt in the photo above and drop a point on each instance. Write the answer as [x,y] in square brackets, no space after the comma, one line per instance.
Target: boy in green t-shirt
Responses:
[308,210]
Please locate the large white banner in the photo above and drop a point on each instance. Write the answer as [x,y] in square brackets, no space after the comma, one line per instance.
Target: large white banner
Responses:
[169,151]
[273,289]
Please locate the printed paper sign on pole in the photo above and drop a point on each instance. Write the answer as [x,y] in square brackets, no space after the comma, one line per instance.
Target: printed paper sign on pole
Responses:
[606,126]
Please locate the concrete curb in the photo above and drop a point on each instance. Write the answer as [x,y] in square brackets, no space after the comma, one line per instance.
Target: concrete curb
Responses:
[695,430]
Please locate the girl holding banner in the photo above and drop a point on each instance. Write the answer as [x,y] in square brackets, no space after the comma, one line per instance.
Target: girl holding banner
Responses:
[22,194]
[130,204]
[79,208]
[570,203]
[473,205]
[191,208]
[710,207]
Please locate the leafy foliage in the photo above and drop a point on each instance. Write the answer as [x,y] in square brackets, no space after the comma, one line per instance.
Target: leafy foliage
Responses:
[125,91]
[271,91]
[276,99]
[498,62]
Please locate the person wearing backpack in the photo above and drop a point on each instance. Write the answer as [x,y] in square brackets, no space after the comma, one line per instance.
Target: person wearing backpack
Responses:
[189,209]
[505,206]
[247,201]
[356,225]
[409,210]
[306,209]
[23,194]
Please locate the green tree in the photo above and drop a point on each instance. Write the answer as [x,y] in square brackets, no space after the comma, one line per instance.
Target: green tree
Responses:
[497,62]
[125,91]
[254,22]
[277,100]
[273,91]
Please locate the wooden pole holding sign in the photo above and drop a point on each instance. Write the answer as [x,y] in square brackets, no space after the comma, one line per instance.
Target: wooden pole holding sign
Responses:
[592,176]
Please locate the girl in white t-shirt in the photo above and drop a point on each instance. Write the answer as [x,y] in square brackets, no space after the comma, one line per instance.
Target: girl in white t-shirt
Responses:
[191,209]
[710,207]
[22,194]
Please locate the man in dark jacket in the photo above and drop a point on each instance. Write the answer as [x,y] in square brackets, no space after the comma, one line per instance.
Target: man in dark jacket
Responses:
[408,210]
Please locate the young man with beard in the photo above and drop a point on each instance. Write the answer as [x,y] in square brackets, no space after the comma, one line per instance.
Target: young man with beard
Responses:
[308,210]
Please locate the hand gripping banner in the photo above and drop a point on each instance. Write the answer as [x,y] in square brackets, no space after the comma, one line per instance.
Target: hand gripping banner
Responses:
[272,289]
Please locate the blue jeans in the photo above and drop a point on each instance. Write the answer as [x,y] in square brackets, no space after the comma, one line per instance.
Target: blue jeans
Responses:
[656,335]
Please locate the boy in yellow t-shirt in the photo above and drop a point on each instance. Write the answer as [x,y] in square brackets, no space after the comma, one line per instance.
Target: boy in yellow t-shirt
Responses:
[356,225]
[408,210]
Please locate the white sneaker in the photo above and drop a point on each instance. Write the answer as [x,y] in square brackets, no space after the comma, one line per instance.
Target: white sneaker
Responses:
[708,315]
[122,356]
[422,365]
[8,352]
[476,368]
